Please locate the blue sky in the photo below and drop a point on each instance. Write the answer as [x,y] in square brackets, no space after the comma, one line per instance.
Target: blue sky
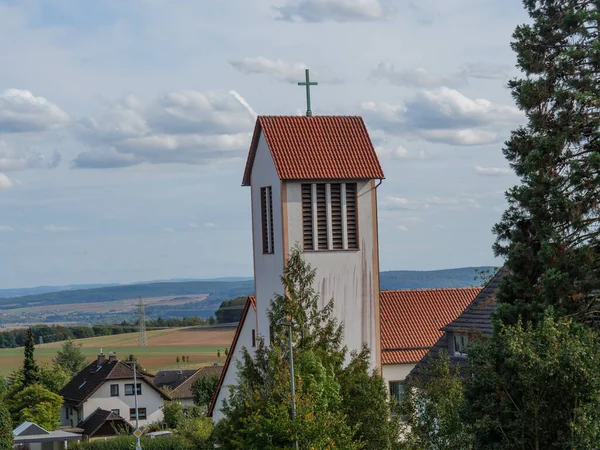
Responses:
[122,145]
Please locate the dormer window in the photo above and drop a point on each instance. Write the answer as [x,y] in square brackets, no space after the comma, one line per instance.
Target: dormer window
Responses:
[461,343]
[329,216]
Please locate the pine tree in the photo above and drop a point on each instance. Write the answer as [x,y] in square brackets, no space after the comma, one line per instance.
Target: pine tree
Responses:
[30,368]
[337,406]
[550,232]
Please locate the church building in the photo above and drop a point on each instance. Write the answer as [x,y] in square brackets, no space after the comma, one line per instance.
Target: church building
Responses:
[313,183]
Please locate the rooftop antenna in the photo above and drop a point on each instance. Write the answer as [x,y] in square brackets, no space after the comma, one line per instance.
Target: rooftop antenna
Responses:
[142,324]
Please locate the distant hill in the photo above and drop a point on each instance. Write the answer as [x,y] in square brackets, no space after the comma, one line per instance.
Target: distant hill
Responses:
[44,307]
[414,279]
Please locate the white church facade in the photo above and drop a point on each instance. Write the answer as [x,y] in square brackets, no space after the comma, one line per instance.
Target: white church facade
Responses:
[313,183]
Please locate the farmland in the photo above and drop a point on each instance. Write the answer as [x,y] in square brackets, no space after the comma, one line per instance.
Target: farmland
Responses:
[163,346]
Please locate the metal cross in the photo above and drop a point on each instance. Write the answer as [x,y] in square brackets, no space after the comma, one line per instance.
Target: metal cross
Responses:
[308,84]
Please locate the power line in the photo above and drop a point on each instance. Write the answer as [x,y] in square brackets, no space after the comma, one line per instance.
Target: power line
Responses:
[142,324]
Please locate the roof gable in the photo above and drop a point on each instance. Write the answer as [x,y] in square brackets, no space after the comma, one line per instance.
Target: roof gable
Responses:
[184,390]
[29,429]
[91,378]
[411,320]
[316,148]
[250,302]
[99,419]
[172,378]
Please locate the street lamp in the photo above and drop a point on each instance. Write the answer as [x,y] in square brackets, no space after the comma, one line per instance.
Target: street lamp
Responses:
[289,325]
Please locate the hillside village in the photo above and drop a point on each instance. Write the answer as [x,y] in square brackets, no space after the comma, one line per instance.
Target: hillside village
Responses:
[325,355]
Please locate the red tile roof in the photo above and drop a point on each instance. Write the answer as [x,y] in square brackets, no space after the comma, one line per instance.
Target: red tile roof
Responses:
[317,148]
[411,320]
[250,301]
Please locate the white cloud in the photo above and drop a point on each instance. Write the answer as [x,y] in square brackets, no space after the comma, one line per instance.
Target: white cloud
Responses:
[5,182]
[12,159]
[58,228]
[414,77]
[398,152]
[193,225]
[402,227]
[418,77]
[21,111]
[331,10]
[188,127]
[444,115]
[169,230]
[392,202]
[491,171]
[290,72]
[5,228]
[210,225]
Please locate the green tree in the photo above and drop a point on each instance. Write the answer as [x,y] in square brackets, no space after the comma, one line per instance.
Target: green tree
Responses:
[173,414]
[6,428]
[30,367]
[549,232]
[70,358]
[328,414]
[431,406]
[218,353]
[53,378]
[203,389]
[177,359]
[536,387]
[38,405]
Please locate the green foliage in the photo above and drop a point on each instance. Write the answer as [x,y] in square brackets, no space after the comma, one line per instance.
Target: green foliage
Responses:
[30,368]
[231,310]
[431,407]
[536,387]
[38,405]
[173,414]
[549,232]
[128,443]
[197,431]
[53,378]
[6,427]
[203,389]
[70,358]
[3,388]
[329,397]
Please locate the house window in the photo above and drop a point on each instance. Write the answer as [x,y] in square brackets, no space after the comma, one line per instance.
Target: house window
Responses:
[396,390]
[141,412]
[266,206]
[329,216]
[129,389]
[114,390]
[461,343]
[253,338]
[116,411]
[67,412]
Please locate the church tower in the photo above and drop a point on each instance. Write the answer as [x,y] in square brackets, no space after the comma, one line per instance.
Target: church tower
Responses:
[313,183]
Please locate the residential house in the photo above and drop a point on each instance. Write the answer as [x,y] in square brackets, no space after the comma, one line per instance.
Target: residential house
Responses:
[410,324]
[102,424]
[33,437]
[474,323]
[108,384]
[179,382]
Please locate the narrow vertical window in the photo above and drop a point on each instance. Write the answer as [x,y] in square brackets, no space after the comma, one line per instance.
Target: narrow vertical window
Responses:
[266,206]
[321,217]
[336,217]
[253,338]
[307,217]
[351,217]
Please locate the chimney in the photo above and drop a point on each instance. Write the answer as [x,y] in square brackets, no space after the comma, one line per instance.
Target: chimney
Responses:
[112,356]
[101,358]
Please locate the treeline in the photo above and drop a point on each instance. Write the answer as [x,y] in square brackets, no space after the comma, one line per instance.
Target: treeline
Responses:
[55,333]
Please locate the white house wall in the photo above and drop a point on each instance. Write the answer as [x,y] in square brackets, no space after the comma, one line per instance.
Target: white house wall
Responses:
[395,372]
[150,399]
[350,277]
[267,267]
[244,340]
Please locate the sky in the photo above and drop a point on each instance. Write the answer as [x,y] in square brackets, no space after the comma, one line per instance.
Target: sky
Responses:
[125,126]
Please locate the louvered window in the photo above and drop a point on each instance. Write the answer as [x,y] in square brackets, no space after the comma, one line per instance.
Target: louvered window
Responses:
[329,216]
[351,214]
[266,206]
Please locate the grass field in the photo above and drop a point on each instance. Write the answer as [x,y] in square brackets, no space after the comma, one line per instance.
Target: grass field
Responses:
[163,346]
